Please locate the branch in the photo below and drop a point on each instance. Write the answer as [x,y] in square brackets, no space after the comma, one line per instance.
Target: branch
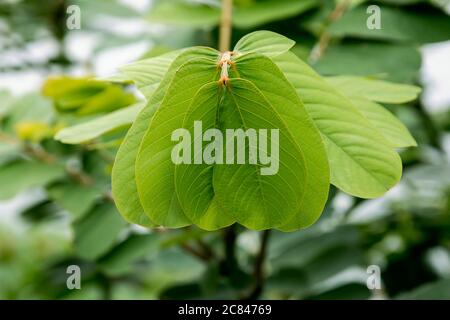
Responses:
[325,37]
[225,25]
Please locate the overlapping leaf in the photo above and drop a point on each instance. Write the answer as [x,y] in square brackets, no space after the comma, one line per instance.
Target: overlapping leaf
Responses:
[362,162]
[154,168]
[325,128]
[123,174]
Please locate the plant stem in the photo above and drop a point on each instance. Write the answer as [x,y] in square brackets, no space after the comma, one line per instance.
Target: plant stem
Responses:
[230,237]
[325,37]
[225,25]
[258,271]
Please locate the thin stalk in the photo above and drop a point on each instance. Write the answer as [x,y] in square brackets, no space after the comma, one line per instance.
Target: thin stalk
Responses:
[258,271]
[225,25]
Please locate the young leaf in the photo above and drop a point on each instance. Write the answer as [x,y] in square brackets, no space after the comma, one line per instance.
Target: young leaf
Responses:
[265,42]
[123,174]
[268,78]
[375,90]
[362,162]
[154,167]
[95,128]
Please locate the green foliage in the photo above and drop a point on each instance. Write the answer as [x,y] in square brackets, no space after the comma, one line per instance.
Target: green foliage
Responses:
[246,14]
[21,175]
[359,144]
[397,25]
[71,218]
[95,128]
[91,242]
[85,97]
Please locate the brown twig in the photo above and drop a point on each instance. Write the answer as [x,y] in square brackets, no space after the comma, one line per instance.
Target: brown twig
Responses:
[225,25]
[325,37]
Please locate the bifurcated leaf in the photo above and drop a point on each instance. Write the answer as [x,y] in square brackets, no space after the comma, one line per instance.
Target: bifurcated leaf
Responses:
[362,162]
[194,182]
[269,79]
[255,200]
[154,168]
[123,174]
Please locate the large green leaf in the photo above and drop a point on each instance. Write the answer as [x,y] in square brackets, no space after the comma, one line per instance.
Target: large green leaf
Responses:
[362,162]
[375,90]
[268,78]
[154,168]
[392,129]
[94,128]
[21,175]
[266,42]
[123,174]
[260,201]
[194,182]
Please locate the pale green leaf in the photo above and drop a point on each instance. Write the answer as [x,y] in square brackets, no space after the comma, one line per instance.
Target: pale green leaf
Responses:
[95,128]
[392,129]
[375,90]
[362,162]
[194,182]
[123,174]
[260,201]
[265,42]
[154,168]
[148,73]
[268,78]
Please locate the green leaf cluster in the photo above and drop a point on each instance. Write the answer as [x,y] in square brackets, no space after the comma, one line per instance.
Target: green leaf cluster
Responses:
[331,131]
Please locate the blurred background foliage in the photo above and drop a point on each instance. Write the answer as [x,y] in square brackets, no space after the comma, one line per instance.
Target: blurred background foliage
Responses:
[57,210]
